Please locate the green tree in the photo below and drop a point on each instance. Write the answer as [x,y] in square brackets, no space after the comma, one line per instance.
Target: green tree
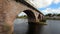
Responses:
[48,14]
[58,14]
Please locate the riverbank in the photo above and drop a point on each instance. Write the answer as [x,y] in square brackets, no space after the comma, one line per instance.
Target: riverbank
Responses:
[22,17]
[52,18]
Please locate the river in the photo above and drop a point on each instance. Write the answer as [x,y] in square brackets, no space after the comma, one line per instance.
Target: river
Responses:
[21,26]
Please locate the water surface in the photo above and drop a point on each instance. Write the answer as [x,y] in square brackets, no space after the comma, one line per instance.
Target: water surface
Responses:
[21,26]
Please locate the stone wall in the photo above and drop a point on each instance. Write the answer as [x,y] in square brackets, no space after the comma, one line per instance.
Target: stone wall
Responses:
[9,9]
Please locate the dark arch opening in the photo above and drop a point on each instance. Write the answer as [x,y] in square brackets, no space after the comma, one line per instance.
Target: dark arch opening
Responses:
[39,16]
[30,14]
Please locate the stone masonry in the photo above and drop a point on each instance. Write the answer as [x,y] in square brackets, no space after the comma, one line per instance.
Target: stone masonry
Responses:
[9,9]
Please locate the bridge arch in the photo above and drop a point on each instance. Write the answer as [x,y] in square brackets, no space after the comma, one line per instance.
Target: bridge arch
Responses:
[10,10]
[30,14]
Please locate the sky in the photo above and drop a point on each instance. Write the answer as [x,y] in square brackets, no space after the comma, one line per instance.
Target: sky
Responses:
[47,6]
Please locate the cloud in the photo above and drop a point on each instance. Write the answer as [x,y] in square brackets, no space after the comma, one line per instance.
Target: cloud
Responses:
[21,14]
[49,10]
[56,1]
[40,3]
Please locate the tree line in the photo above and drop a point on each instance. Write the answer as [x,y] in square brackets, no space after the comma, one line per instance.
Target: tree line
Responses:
[52,14]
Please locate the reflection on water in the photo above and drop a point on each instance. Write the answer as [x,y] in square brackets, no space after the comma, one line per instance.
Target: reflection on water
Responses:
[22,27]
[34,28]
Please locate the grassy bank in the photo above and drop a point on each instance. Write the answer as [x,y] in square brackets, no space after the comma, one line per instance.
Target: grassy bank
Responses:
[24,17]
[52,18]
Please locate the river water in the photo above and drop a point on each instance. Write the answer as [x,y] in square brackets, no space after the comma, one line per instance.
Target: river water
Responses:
[21,26]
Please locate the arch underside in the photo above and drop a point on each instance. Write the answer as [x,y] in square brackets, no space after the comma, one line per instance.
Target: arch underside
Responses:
[31,16]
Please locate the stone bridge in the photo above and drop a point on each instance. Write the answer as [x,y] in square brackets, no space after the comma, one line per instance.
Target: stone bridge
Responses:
[9,9]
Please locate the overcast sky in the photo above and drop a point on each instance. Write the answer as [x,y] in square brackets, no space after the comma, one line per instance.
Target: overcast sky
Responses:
[47,6]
